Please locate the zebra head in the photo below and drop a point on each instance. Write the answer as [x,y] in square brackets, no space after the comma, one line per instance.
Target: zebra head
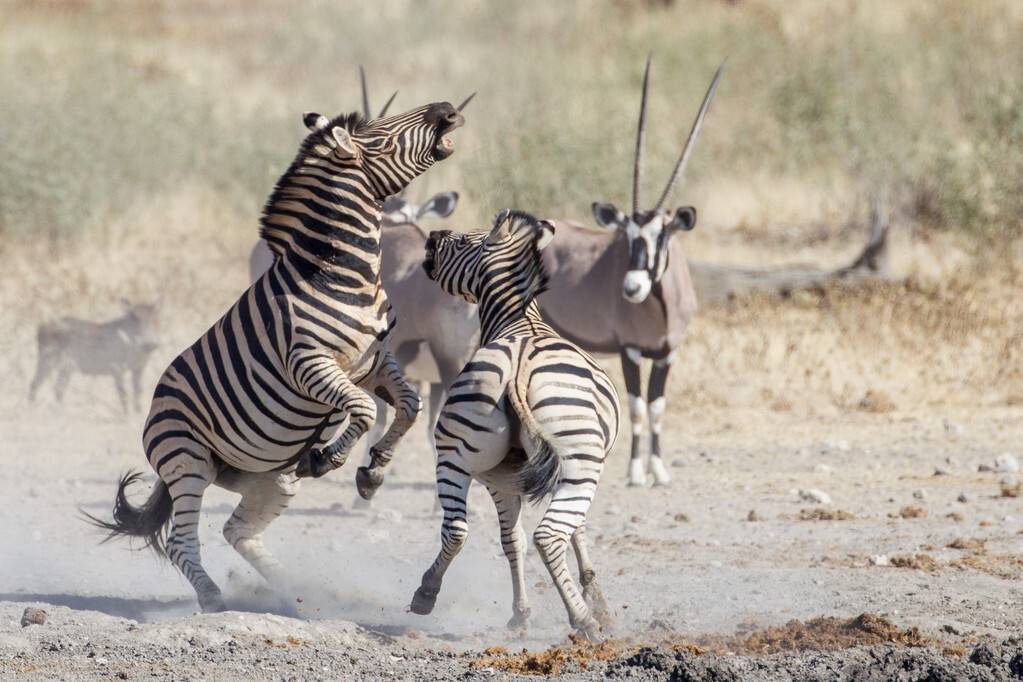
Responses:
[468,264]
[649,232]
[390,151]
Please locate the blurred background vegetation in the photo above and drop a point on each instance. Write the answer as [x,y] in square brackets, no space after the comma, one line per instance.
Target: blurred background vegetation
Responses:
[140,140]
[107,104]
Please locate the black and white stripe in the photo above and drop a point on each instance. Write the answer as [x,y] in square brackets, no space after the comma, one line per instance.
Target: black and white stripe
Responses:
[530,416]
[278,388]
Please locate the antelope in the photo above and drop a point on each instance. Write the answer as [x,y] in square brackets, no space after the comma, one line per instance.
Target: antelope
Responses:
[627,289]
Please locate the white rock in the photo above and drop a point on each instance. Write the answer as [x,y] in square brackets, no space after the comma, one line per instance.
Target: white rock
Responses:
[963,497]
[815,495]
[822,469]
[953,428]
[838,444]
[919,494]
[1005,463]
[879,560]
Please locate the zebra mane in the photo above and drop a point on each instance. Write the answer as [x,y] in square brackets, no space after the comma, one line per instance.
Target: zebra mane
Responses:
[352,122]
[539,279]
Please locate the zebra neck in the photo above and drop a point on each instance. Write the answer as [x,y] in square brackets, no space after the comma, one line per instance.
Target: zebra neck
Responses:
[505,320]
[324,220]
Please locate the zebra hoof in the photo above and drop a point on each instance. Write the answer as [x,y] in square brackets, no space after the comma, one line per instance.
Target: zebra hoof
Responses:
[312,464]
[423,601]
[588,630]
[519,620]
[212,604]
[367,481]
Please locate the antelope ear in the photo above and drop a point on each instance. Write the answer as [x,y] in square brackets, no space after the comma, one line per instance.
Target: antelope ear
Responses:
[684,219]
[346,147]
[439,206]
[392,204]
[608,216]
[544,235]
[501,229]
[314,122]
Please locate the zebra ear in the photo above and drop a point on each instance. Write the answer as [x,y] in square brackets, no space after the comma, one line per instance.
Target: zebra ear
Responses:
[684,219]
[501,229]
[545,234]
[608,216]
[346,147]
[439,206]
[314,122]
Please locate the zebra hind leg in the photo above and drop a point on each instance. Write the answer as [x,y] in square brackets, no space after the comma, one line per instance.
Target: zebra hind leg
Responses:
[390,386]
[187,473]
[452,491]
[564,516]
[264,498]
[592,594]
[513,542]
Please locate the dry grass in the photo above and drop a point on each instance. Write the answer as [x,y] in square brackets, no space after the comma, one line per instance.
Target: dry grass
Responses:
[822,514]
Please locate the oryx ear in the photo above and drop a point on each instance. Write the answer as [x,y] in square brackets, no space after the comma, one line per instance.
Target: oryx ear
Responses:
[684,219]
[501,229]
[346,147]
[608,216]
[439,206]
[314,122]
[545,234]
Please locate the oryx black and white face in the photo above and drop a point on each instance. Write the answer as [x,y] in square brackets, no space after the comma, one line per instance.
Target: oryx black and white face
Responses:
[649,234]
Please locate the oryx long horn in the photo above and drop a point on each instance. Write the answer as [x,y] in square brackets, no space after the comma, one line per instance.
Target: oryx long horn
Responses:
[467,100]
[637,170]
[680,165]
[365,94]
[383,112]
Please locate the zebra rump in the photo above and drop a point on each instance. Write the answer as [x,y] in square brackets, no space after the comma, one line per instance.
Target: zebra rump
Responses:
[148,521]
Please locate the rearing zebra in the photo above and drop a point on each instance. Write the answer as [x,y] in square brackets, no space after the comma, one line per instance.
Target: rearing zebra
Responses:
[274,391]
[530,415]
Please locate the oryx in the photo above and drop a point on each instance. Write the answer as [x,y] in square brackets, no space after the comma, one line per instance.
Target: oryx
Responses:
[628,289]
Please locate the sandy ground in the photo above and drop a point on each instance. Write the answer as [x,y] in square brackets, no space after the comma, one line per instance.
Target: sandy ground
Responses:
[681,562]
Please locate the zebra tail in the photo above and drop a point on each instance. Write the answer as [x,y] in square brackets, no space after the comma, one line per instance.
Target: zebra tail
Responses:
[147,521]
[541,472]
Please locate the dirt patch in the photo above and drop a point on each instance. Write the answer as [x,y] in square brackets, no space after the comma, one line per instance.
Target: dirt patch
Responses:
[876,402]
[1007,566]
[1011,489]
[919,562]
[822,514]
[551,661]
[969,544]
[818,634]
[912,512]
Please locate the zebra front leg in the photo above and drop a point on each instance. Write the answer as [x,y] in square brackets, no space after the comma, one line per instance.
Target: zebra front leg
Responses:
[264,498]
[592,593]
[323,380]
[637,411]
[452,490]
[655,396]
[187,472]
[564,516]
[390,386]
[513,542]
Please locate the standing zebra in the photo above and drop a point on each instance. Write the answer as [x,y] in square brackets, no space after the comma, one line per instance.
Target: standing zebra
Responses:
[274,391]
[530,415]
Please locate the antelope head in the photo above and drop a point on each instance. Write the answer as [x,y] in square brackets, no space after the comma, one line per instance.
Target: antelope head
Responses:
[649,231]
[397,210]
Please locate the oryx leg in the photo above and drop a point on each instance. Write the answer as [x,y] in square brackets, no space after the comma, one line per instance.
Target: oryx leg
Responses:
[320,377]
[44,365]
[637,412]
[390,385]
[187,468]
[592,593]
[264,498]
[655,396]
[513,542]
[122,394]
[565,515]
